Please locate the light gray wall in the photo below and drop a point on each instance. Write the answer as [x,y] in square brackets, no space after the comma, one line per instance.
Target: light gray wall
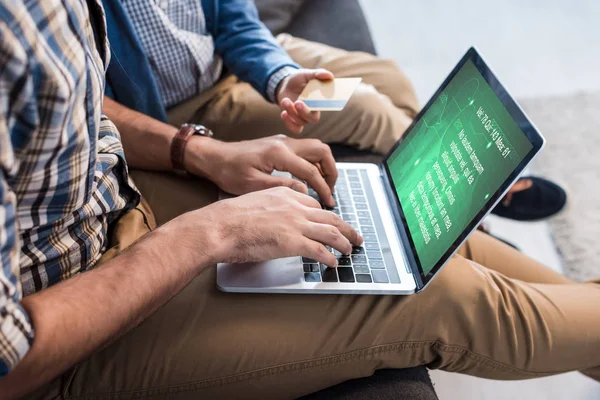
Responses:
[537,47]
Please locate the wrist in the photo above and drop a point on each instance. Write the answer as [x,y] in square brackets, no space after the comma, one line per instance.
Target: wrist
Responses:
[277,82]
[192,240]
[279,90]
[200,156]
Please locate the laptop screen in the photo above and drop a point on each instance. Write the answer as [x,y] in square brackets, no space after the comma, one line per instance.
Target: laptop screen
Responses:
[452,162]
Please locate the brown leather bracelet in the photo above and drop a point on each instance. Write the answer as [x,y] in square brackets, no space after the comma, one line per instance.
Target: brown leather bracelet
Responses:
[180,141]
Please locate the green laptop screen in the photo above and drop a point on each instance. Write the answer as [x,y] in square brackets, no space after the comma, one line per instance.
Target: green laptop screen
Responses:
[452,162]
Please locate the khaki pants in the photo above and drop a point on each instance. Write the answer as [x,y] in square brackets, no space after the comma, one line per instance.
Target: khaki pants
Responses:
[491,312]
[376,116]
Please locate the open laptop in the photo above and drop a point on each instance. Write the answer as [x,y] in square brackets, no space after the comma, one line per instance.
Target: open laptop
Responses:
[458,158]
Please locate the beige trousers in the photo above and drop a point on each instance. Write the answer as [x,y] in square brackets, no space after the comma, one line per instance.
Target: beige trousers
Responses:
[376,116]
[491,312]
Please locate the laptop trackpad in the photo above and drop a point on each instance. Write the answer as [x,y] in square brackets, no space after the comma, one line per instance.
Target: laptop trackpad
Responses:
[273,273]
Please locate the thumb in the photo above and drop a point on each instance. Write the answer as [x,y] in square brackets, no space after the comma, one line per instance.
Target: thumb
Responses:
[270,181]
[320,74]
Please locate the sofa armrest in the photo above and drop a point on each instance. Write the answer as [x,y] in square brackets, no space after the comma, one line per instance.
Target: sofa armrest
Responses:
[277,15]
[386,384]
[337,23]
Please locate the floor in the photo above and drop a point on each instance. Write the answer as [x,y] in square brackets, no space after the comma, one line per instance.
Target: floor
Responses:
[537,48]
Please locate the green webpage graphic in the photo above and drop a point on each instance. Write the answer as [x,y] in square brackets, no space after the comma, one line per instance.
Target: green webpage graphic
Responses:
[453,160]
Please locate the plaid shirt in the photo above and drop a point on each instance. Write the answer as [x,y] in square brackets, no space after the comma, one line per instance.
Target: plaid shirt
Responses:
[181,52]
[63,177]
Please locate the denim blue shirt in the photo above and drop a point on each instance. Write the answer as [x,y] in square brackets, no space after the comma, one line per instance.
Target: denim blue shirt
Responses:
[240,39]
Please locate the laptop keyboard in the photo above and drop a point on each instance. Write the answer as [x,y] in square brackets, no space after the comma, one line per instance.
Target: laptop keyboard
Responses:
[366,264]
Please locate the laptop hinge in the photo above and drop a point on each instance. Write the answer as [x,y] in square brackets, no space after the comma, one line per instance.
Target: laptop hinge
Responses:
[398,222]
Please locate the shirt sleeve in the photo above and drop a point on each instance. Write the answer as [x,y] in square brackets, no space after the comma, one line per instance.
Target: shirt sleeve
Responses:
[247,46]
[276,79]
[16,331]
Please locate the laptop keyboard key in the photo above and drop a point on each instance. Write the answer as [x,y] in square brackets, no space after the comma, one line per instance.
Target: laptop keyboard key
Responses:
[311,267]
[371,246]
[363,214]
[345,197]
[363,278]
[370,238]
[344,261]
[374,254]
[328,274]
[360,199]
[359,260]
[358,250]
[307,260]
[361,206]
[365,221]
[379,276]
[361,269]
[348,217]
[346,274]
[377,264]
[312,277]
[367,229]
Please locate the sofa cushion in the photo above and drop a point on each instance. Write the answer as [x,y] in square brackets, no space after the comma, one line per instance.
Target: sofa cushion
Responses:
[278,14]
[337,23]
[386,384]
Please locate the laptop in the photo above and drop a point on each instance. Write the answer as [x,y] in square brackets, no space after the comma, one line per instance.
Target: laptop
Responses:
[456,161]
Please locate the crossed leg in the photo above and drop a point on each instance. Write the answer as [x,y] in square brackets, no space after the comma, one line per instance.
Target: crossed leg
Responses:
[377,115]
[486,321]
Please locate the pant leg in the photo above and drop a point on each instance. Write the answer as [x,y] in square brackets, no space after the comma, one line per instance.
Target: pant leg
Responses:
[375,118]
[209,344]
[498,256]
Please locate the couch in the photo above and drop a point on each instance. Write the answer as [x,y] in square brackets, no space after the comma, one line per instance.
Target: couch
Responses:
[341,23]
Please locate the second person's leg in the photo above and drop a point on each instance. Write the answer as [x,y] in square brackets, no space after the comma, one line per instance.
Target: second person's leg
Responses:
[376,116]
[498,256]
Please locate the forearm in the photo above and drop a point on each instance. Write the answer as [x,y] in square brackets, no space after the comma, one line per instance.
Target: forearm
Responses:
[84,314]
[146,141]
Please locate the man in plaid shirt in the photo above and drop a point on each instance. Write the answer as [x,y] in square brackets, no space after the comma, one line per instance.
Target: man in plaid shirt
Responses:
[146,320]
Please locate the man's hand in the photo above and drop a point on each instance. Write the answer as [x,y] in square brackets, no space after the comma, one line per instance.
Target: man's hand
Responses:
[295,113]
[277,223]
[244,167]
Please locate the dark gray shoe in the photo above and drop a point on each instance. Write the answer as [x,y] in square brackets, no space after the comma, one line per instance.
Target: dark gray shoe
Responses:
[542,200]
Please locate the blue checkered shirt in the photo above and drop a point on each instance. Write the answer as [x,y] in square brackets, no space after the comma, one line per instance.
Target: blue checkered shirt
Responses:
[63,177]
[181,52]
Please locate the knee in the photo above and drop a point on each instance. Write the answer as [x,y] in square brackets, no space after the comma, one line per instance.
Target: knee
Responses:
[369,104]
[379,123]
[460,288]
[399,86]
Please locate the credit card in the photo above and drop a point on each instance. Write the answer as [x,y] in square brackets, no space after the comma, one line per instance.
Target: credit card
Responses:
[330,95]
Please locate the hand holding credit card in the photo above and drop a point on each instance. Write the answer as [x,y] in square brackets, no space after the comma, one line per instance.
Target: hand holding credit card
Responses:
[330,95]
